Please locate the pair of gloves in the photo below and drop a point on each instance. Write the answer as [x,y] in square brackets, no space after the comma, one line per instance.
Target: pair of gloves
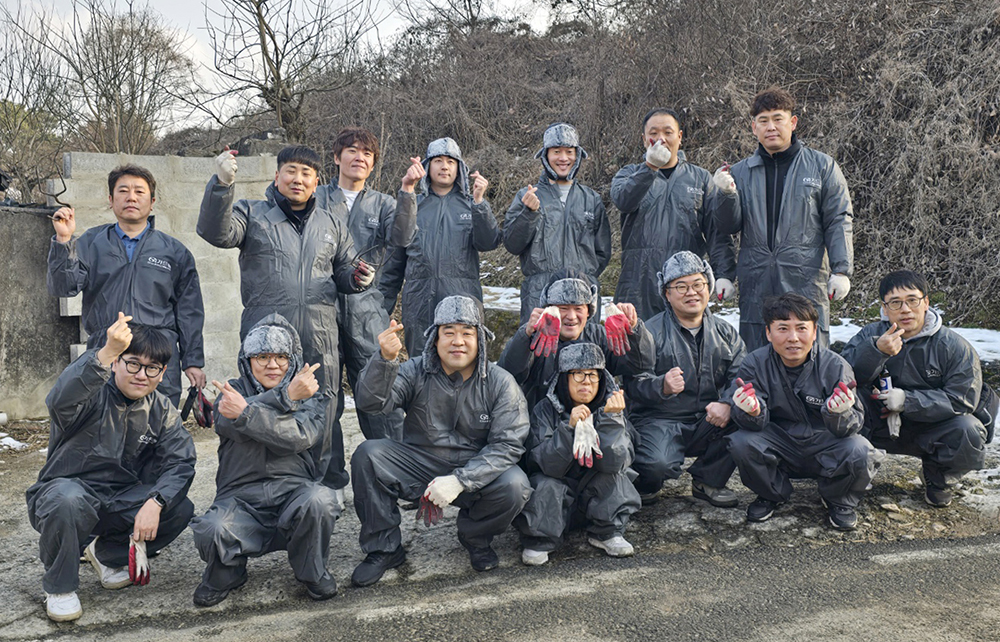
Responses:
[839,402]
[545,342]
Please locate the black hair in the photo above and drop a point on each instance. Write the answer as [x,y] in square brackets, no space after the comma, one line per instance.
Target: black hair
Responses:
[299,154]
[150,343]
[902,279]
[773,98]
[782,308]
[562,391]
[661,110]
[131,170]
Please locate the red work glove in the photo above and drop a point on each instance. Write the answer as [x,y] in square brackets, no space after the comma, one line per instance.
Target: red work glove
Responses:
[745,398]
[363,275]
[138,563]
[617,328]
[429,512]
[546,339]
[842,398]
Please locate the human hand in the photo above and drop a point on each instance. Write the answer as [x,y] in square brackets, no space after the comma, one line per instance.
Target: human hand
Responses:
[196,376]
[479,185]
[673,381]
[232,404]
[225,166]
[893,398]
[724,289]
[617,327]
[303,385]
[147,521]
[615,403]
[657,155]
[745,398]
[414,173]
[530,200]
[443,490]
[578,414]
[838,287]
[546,331]
[64,224]
[389,342]
[891,341]
[717,414]
[119,339]
[842,398]
[363,275]
[723,180]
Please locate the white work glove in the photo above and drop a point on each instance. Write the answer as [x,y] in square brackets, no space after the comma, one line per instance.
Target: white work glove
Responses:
[586,442]
[838,287]
[895,422]
[225,167]
[894,399]
[657,154]
[842,399]
[724,289]
[745,398]
[138,563]
[443,490]
[723,180]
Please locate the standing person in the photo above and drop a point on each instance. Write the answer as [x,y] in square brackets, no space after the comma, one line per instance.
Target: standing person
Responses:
[684,410]
[938,400]
[466,421]
[669,205]
[274,450]
[455,223]
[557,222]
[295,260]
[795,220]
[377,223]
[130,266]
[118,468]
[799,416]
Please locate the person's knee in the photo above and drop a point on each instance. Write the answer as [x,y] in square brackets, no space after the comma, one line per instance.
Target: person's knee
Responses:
[318,500]
[367,451]
[512,487]
[741,445]
[971,428]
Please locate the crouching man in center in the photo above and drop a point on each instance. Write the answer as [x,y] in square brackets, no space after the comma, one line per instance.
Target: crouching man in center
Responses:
[274,449]
[799,417]
[464,431]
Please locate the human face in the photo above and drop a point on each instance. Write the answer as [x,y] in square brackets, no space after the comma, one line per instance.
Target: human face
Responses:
[910,319]
[792,339]
[688,305]
[355,163]
[297,183]
[458,348]
[572,320]
[773,129]
[561,159]
[443,171]
[583,391]
[663,128]
[131,201]
[270,373]
[138,385]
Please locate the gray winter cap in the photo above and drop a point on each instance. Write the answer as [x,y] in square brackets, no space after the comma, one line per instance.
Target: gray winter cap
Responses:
[684,264]
[456,309]
[445,147]
[581,356]
[561,135]
[268,339]
[570,292]
[271,335]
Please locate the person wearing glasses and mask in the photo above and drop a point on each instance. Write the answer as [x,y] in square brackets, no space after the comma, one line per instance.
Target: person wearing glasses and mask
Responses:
[683,411]
[937,407]
[115,482]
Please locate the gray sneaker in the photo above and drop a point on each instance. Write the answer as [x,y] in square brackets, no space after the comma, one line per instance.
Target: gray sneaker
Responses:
[721,497]
[617,546]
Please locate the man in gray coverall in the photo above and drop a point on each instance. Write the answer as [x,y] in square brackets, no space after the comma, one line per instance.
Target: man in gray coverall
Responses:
[273,452]
[794,218]
[798,416]
[295,260]
[684,410]
[130,266]
[464,433]
[118,469]
[558,222]
[455,223]
[669,205]
[937,401]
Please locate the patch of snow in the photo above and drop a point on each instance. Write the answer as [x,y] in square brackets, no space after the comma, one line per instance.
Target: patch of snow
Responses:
[11,443]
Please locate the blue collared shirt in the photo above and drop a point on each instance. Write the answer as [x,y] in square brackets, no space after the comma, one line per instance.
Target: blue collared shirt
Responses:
[130,243]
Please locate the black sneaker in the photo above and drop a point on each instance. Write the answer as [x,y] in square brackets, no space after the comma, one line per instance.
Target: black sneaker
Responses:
[324,589]
[937,497]
[842,518]
[482,559]
[205,595]
[375,565]
[761,509]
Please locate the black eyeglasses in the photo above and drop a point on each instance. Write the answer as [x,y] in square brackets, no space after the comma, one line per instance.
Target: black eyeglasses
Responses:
[580,377]
[911,302]
[264,359]
[133,367]
[683,288]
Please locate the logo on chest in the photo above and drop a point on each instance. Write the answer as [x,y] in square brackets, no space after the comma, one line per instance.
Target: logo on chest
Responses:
[812,182]
[933,373]
[588,215]
[814,401]
[695,190]
[372,221]
[327,237]
[161,264]
[147,439]
[465,216]
[484,417]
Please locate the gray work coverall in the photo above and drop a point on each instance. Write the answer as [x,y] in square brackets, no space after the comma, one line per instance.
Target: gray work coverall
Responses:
[556,236]
[661,217]
[672,427]
[107,456]
[159,288]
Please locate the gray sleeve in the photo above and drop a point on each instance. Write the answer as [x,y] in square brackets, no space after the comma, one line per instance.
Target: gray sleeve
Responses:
[391,279]
[520,225]
[384,385]
[189,310]
[174,460]
[67,274]
[283,426]
[721,247]
[505,442]
[550,442]
[602,237]
[748,372]
[616,443]
[343,269]
[404,219]
[78,384]
[847,423]
[838,225]
[963,383]
[629,187]
[517,356]
[219,222]
[486,234]
[865,358]
[728,213]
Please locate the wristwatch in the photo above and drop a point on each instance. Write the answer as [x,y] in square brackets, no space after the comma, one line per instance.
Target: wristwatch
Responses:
[158,498]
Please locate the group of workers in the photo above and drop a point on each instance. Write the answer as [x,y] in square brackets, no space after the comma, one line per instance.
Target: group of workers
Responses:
[579,422]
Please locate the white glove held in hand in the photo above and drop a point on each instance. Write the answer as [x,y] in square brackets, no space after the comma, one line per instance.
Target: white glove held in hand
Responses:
[894,399]
[657,154]
[225,168]
[745,398]
[443,490]
[841,400]
[586,442]
[838,287]
[723,180]
[724,289]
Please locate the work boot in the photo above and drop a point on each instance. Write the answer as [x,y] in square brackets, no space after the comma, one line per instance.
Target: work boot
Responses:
[482,558]
[843,518]
[205,595]
[63,607]
[531,557]
[324,589]
[761,509]
[375,565]
[937,497]
[721,497]
[648,499]
[616,546]
[111,578]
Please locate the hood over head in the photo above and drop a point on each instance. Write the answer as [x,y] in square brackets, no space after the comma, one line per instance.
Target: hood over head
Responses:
[457,309]
[561,135]
[445,147]
[271,335]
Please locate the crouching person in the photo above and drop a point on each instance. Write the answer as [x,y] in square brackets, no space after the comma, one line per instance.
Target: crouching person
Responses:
[464,431]
[274,450]
[799,417]
[118,470]
[579,449]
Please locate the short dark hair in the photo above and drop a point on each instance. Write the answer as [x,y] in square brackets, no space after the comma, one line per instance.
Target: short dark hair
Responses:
[150,343]
[771,99]
[902,279]
[300,154]
[131,170]
[660,110]
[782,308]
[356,137]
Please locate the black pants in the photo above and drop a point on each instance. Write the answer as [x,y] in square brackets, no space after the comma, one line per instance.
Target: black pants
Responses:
[663,445]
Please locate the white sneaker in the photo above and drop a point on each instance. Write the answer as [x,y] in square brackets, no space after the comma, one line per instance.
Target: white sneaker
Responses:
[532,557]
[341,497]
[62,607]
[111,578]
[617,546]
